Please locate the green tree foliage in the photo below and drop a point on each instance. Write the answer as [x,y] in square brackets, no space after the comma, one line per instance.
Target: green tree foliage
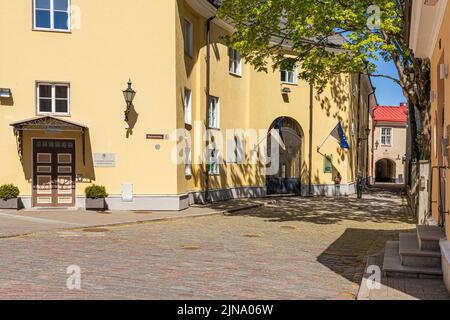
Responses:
[313,32]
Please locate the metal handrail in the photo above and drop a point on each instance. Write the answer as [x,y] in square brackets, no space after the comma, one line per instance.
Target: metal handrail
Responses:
[441,205]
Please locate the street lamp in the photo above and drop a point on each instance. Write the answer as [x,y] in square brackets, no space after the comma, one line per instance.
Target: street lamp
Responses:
[377,144]
[129,95]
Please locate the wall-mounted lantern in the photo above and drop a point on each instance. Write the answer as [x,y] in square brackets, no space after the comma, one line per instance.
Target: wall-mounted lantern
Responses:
[377,144]
[5,93]
[286,90]
[129,95]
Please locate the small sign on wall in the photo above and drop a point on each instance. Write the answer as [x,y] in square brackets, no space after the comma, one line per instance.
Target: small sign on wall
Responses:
[157,136]
[328,163]
[105,160]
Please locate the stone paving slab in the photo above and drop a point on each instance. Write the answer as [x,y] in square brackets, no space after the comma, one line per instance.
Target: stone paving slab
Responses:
[401,288]
[295,248]
[15,223]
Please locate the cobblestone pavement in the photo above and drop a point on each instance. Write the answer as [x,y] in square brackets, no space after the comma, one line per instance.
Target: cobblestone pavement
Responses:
[295,248]
[14,223]
[399,288]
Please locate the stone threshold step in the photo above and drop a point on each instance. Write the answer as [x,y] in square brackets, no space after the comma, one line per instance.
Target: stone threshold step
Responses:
[392,265]
[409,246]
[429,237]
[430,233]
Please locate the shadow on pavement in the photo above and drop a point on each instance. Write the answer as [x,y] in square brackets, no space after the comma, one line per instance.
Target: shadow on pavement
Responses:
[348,254]
[333,210]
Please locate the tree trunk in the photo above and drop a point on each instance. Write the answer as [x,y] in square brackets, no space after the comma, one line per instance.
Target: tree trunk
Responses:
[425,133]
[416,87]
[413,129]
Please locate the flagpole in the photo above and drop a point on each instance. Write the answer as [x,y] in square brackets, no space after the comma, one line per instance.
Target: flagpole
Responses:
[326,139]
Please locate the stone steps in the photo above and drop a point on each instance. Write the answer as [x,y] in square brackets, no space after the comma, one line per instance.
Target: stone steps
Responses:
[393,267]
[412,256]
[429,237]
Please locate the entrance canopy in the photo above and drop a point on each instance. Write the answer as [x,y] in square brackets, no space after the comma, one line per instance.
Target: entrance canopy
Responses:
[47,124]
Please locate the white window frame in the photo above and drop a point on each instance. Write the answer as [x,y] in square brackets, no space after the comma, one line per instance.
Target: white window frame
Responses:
[391,135]
[213,166]
[52,18]
[188,161]
[216,124]
[187,100]
[53,98]
[188,37]
[235,62]
[294,73]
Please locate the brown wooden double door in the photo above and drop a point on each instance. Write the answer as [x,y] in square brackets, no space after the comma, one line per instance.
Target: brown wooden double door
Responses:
[53,173]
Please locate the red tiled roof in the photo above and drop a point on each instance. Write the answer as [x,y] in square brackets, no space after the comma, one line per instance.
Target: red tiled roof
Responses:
[391,113]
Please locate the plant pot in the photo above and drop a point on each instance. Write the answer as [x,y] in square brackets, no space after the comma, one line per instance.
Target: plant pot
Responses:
[95,204]
[12,204]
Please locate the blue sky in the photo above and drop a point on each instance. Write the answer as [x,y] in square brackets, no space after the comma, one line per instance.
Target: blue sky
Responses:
[389,93]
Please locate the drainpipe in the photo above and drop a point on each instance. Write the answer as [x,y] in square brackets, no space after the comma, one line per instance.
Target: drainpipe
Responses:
[311,106]
[367,154]
[208,95]
[358,126]
[374,125]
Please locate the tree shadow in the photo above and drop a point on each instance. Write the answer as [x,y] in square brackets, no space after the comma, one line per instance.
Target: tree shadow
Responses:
[333,210]
[347,256]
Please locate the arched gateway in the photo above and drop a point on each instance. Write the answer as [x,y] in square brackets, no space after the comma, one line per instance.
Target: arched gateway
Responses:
[385,171]
[288,178]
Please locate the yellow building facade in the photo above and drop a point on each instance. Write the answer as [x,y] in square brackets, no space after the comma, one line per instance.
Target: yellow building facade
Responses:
[62,111]
[430,38]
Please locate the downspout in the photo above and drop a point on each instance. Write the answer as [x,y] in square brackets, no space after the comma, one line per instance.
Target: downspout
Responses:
[367,154]
[311,108]
[375,123]
[208,95]
[358,126]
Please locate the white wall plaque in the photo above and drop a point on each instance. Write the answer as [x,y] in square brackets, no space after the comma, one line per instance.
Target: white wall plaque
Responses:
[105,160]
[127,192]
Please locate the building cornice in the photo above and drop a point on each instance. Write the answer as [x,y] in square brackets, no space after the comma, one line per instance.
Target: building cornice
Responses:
[426,21]
[207,10]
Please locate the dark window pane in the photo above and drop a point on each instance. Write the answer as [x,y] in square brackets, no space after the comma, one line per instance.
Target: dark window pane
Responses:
[45,105]
[61,106]
[42,4]
[61,5]
[42,19]
[61,20]
[61,91]
[45,91]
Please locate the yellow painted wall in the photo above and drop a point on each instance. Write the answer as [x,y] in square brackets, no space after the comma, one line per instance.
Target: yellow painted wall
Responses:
[143,40]
[115,42]
[255,101]
[441,88]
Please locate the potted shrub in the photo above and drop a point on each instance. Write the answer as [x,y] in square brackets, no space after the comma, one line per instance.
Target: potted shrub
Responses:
[9,197]
[95,197]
